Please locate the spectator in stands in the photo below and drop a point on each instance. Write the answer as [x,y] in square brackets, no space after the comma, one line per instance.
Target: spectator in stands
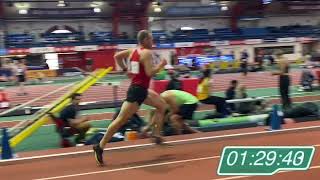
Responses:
[45,64]
[271,60]
[89,63]
[259,59]
[10,65]
[255,106]
[4,101]
[306,81]
[173,58]
[244,62]
[231,92]
[69,115]
[243,107]
[194,65]
[20,73]
[284,80]
[241,92]
[203,94]
[174,83]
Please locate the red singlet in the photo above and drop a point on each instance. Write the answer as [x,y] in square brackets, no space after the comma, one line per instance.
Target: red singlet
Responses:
[139,76]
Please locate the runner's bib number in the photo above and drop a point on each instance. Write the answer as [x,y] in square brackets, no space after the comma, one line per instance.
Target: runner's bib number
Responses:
[134,67]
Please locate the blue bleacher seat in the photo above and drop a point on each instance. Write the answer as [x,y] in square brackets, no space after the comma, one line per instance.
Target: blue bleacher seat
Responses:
[23,40]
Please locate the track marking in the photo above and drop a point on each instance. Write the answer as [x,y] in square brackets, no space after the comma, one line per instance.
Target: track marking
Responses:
[3,162]
[130,168]
[155,165]
[241,177]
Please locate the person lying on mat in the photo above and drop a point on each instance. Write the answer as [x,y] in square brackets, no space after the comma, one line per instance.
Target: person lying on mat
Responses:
[308,111]
[69,115]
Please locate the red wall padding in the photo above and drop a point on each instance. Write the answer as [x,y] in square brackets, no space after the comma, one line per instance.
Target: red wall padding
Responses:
[72,60]
[189,50]
[101,59]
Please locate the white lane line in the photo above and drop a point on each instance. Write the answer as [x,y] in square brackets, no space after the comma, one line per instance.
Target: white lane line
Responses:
[155,165]
[152,144]
[130,168]
[242,177]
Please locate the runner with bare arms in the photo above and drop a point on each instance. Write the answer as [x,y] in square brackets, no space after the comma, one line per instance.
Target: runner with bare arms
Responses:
[140,69]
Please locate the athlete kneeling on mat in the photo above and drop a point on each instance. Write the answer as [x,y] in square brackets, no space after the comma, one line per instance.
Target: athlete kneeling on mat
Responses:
[69,118]
[182,106]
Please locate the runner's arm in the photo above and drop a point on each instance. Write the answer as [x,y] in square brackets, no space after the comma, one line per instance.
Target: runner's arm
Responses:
[146,58]
[120,56]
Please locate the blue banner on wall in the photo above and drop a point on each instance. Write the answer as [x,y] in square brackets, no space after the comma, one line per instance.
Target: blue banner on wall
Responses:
[165,45]
[193,10]
[202,60]
[3,52]
[57,12]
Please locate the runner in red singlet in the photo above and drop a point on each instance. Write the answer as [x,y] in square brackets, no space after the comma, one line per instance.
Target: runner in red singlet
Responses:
[140,70]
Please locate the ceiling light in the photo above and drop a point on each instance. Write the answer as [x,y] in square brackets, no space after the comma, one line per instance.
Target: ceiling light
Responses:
[266,1]
[97,10]
[23,11]
[224,8]
[213,2]
[223,3]
[22,5]
[96,4]
[157,9]
[61,4]
[186,28]
[156,3]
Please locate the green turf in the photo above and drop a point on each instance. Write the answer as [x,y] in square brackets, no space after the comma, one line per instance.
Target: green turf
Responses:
[251,93]
[47,138]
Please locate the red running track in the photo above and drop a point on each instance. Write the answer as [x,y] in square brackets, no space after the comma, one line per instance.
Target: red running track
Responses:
[188,160]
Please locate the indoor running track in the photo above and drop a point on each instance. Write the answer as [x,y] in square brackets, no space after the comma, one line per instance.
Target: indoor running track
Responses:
[188,157]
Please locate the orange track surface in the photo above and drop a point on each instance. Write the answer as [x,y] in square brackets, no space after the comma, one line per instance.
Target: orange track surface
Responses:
[188,161]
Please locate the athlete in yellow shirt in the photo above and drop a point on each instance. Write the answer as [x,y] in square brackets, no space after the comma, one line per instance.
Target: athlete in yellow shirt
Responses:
[203,94]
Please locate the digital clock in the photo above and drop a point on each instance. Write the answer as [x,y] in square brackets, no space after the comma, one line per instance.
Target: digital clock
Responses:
[264,160]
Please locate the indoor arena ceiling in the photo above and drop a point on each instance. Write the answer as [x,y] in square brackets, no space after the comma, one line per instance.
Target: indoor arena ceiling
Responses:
[15,9]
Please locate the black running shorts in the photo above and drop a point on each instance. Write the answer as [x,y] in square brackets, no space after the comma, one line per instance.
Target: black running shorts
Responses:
[137,94]
[187,110]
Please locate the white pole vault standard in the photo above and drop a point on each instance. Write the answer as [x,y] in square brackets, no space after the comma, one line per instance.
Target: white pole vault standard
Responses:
[29,102]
